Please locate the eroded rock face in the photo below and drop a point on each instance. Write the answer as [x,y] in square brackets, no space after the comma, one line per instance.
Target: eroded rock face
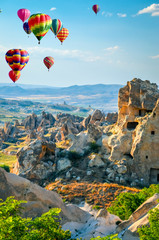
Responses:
[112,118]
[136,134]
[97,116]
[39,200]
[36,161]
[136,99]
[31,122]
[145,148]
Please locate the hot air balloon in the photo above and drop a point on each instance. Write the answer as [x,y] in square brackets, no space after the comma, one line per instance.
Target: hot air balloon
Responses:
[96,8]
[17,59]
[26,28]
[48,61]
[23,14]
[63,34]
[39,24]
[56,26]
[14,75]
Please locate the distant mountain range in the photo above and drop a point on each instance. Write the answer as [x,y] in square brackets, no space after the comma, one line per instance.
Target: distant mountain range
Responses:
[98,96]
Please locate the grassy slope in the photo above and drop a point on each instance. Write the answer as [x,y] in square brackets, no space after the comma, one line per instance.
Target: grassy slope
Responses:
[97,194]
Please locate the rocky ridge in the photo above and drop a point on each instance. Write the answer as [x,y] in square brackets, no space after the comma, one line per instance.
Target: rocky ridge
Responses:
[93,148]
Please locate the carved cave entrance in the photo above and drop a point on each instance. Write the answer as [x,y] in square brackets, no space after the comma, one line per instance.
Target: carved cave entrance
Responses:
[131,125]
[154,175]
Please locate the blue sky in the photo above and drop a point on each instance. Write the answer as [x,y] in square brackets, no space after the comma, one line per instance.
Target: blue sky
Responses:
[120,43]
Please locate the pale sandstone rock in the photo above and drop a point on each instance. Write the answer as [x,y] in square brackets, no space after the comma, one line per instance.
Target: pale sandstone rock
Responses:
[95,161]
[63,164]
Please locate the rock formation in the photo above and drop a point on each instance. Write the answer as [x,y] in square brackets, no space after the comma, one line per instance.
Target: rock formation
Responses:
[135,138]
[36,161]
[81,221]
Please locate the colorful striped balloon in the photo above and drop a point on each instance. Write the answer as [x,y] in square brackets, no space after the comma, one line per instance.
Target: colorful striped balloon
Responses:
[48,61]
[39,24]
[23,14]
[96,8]
[63,34]
[17,59]
[56,26]
[14,75]
[26,28]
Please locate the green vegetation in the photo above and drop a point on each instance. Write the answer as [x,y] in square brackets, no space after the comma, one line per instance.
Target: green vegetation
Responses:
[5,167]
[126,203]
[96,207]
[94,147]
[73,155]
[13,226]
[7,159]
[110,237]
[151,232]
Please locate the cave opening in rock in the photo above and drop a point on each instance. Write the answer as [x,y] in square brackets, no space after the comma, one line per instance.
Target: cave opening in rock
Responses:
[154,175]
[152,132]
[132,125]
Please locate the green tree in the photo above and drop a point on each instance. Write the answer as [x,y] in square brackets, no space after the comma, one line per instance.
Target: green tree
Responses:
[126,203]
[152,231]
[13,226]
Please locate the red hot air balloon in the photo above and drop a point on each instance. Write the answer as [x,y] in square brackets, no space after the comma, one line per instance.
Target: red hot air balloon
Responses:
[63,34]
[96,8]
[48,61]
[17,59]
[14,75]
[23,14]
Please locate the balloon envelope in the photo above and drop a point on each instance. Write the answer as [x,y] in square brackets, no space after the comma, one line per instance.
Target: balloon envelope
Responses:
[56,26]
[26,28]
[14,75]
[23,14]
[17,59]
[63,34]
[39,24]
[48,61]
[96,8]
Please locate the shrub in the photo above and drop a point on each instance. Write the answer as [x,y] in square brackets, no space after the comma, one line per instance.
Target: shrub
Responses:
[97,207]
[73,155]
[151,232]
[126,203]
[5,167]
[13,226]
[94,147]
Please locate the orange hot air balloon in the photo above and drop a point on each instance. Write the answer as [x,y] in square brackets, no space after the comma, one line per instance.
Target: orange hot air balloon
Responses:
[14,75]
[63,34]
[48,61]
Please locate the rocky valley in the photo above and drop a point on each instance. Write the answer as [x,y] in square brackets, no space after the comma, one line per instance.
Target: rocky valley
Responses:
[116,151]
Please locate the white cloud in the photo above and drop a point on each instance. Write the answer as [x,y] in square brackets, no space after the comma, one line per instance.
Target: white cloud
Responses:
[3,49]
[122,15]
[53,9]
[155,57]
[155,14]
[107,14]
[67,53]
[153,9]
[112,49]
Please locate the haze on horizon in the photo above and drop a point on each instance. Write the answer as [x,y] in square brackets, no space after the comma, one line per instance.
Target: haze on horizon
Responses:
[120,43]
